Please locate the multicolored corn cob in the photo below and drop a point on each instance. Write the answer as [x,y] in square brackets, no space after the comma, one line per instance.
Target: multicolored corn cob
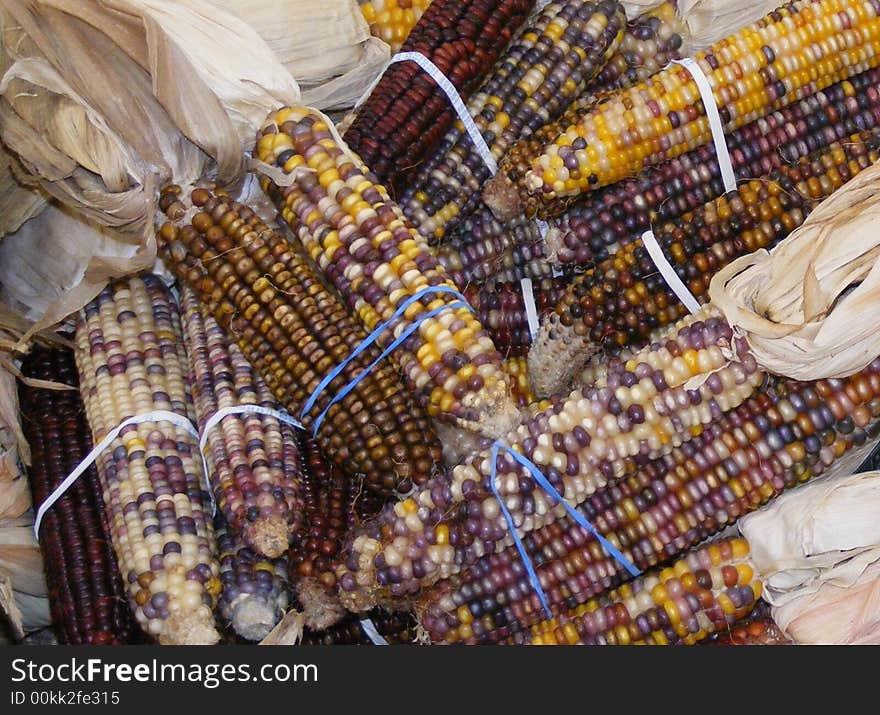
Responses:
[392,20]
[293,330]
[484,249]
[668,393]
[701,594]
[501,310]
[86,597]
[407,113]
[620,301]
[253,459]
[131,362]
[545,69]
[377,261]
[608,218]
[395,627]
[793,52]
[255,592]
[778,438]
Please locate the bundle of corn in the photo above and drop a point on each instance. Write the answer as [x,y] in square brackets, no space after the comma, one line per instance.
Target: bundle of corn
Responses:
[753,72]
[780,437]
[85,590]
[501,310]
[253,460]
[661,398]
[611,217]
[620,301]
[407,112]
[545,69]
[264,293]
[392,20]
[702,593]
[131,362]
[255,592]
[384,270]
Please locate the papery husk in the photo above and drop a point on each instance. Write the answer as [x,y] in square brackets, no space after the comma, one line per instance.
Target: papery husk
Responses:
[22,566]
[325,45]
[810,308]
[105,102]
[18,203]
[817,550]
[711,20]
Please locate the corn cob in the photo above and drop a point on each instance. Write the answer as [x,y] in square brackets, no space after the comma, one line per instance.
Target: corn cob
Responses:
[793,52]
[486,249]
[580,444]
[86,597]
[624,298]
[611,217]
[360,238]
[131,361]
[700,594]
[500,309]
[253,460]
[407,113]
[395,627]
[332,505]
[392,20]
[544,70]
[293,330]
[777,439]
[255,591]
[649,43]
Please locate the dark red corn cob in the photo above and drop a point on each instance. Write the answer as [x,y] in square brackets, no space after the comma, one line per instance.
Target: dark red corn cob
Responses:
[500,309]
[777,439]
[86,596]
[608,218]
[619,302]
[757,631]
[406,114]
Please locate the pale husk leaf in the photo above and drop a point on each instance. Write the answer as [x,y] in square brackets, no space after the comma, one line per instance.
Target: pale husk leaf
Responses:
[810,307]
[817,550]
[18,203]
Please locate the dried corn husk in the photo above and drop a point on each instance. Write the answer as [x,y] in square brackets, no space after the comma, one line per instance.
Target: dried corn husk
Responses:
[325,44]
[817,549]
[18,203]
[103,103]
[21,569]
[810,308]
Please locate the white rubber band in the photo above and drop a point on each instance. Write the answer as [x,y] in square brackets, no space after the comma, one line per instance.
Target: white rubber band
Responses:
[156,416]
[370,629]
[215,419]
[668,272]
[531,306]
[724,162]
[454,99]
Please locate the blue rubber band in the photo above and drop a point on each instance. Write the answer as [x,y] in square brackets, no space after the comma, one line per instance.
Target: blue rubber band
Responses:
[369,340]
[527,562]
[572,512]
[387,351]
